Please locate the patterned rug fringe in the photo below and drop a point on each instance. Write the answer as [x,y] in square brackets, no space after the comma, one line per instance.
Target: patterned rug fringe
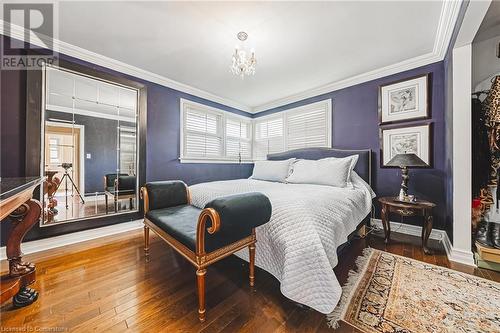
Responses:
[348,288]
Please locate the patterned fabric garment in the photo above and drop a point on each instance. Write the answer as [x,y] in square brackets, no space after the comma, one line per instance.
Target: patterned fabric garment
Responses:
[491,106]
[491,109]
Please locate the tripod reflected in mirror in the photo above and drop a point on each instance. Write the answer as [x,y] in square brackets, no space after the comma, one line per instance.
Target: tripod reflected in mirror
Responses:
[65,178]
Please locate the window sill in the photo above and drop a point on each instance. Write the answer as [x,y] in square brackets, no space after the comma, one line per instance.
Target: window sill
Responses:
[196,161]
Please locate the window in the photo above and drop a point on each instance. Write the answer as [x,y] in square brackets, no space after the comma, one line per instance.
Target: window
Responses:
[212,135]
[54,150]
[269,137]
[309,126]
[238,138]
[302,127]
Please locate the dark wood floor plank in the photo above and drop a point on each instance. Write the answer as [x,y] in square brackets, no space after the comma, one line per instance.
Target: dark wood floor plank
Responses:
[107,286]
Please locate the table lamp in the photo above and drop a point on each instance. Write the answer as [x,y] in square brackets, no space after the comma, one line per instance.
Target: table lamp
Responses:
[404,161]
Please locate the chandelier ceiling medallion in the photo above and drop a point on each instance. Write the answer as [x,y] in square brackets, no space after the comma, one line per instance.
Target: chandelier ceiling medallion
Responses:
[243,61]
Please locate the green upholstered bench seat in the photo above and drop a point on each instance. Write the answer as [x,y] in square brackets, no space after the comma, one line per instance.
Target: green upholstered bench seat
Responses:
[179,221]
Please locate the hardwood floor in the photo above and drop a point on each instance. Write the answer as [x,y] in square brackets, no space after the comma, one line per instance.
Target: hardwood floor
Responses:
[106,285]
[93,206]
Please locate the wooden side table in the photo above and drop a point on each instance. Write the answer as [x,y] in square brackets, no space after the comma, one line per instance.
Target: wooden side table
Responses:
[419,208]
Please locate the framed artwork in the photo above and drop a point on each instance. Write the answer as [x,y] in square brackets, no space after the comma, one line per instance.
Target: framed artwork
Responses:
[416,139]
[404,100]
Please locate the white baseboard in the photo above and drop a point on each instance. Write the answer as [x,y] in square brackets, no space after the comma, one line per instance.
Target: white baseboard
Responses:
[462,257]
[413,230]
[75,237]
[453,254]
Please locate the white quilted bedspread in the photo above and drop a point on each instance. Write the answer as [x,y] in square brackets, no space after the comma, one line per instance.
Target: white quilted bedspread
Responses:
[298,245]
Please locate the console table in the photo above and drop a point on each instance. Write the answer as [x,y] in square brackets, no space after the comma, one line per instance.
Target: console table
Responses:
[16,201]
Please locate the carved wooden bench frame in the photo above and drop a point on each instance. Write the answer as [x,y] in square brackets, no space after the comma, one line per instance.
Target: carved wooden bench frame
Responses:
[200,258]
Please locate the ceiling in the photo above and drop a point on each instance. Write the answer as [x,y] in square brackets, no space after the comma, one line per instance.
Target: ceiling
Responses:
[299,45]
[490,27]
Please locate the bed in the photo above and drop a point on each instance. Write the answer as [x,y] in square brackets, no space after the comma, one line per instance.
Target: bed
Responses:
[299,244]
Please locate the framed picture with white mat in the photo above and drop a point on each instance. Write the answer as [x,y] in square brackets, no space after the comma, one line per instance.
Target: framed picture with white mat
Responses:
[416,139]
[404,100]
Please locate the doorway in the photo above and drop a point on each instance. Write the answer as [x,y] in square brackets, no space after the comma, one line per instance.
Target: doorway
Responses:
[64,147]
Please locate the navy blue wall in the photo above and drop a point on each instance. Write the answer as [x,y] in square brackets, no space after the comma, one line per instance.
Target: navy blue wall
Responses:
[12,122]
[163,149]
[355,125]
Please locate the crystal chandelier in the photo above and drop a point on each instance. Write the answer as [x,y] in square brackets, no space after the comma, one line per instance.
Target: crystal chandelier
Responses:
[243,62]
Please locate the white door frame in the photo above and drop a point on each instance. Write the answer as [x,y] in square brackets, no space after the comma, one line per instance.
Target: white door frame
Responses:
[82,149]
[461,250]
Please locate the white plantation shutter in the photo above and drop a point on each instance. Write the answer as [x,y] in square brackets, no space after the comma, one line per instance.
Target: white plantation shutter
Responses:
[202,134]
[212,135]
[238,139]
[308,128]
[269,137]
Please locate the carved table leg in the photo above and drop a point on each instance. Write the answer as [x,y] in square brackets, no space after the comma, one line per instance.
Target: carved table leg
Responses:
[24,218]
[200,278]
[385,223]
[50,187]
[25,297]
[426,231]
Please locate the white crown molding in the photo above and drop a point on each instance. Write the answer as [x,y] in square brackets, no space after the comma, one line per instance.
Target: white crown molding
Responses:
[446,24]
[75,237]
[453,254]
[17,32]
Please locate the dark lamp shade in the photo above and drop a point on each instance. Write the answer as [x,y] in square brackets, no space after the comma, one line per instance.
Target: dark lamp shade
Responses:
[406,160]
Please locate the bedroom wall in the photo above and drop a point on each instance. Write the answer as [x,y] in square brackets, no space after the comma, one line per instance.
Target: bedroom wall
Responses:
[12,122]
[355,126]
[163,133]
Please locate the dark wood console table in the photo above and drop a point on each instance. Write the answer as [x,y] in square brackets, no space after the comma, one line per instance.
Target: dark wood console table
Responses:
[16,201]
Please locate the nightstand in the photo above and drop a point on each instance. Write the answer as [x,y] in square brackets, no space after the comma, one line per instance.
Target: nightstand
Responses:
[419,208]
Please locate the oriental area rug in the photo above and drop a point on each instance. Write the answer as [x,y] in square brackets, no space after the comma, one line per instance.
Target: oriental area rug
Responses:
[390,293]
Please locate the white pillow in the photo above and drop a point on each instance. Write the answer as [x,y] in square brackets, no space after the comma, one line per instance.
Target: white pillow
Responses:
[330,171]
[274,171]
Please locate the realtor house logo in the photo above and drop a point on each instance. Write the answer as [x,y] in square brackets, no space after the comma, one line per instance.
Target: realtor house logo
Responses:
[31,27]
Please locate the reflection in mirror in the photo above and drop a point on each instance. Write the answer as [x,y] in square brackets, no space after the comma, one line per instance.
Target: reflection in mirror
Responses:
[90,147]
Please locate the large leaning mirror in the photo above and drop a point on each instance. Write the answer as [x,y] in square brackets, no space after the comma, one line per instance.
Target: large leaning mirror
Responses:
[89,147]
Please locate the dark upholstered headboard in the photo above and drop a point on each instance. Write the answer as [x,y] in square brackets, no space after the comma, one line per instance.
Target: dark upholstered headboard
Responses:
[363,167]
